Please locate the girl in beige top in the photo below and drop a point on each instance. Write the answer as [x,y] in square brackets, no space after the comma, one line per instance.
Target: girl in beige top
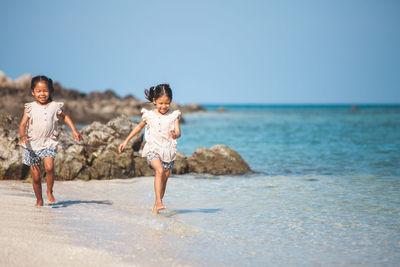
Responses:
[40,118]
[162,130]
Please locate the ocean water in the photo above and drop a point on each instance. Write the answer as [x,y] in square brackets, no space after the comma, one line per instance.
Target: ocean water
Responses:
[303,140]
[325,192]
[326,187]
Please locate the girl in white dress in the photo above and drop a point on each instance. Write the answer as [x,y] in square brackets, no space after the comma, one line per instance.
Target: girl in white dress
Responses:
[162,130]
[40,140]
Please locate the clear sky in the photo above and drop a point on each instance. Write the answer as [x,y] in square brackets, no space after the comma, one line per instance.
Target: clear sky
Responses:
[210,51]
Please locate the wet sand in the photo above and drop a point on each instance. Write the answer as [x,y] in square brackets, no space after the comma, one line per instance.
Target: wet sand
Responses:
[89,226]
[30,236]
[219,221]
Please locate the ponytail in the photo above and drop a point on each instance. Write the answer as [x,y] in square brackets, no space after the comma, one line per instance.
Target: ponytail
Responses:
[150,93]
[157,91]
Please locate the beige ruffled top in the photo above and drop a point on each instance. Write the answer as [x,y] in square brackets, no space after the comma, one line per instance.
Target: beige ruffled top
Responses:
[42,125]
[157,138]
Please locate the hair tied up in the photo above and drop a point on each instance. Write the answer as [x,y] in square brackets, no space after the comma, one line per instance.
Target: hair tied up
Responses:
[157,91]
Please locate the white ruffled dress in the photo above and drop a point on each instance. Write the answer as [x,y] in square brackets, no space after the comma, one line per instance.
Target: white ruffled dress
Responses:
[42,125]
[157,136]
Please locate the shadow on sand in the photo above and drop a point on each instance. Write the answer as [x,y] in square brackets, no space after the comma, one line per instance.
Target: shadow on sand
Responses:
[63,204]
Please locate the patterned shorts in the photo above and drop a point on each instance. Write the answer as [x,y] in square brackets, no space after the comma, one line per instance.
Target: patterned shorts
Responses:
[34,157]
[166,165]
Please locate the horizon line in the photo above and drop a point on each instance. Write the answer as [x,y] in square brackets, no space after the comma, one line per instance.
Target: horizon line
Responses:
[299,104]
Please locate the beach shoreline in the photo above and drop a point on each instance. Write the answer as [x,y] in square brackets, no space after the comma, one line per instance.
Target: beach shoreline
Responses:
[30,236]
[325,191]
[80,230]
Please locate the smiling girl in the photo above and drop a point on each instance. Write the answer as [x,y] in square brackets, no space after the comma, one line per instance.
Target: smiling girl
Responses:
[162,130]
[40,144]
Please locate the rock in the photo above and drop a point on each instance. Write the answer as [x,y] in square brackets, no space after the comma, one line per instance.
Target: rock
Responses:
[121,126]
[221,109]
[100,150]
[190,108]
[109,164]
[23,81]
[142,168]
[98,135]
[82,108]
[97,157]
[69,163]
[217,160]
[107,95]
[4,80]
[181,164]
[11,166]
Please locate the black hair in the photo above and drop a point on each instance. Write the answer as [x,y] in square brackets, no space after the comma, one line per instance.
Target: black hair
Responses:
[48,81]
[157,91]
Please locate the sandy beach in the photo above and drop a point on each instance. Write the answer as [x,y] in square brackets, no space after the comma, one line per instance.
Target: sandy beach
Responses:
[81,229]
[30,236]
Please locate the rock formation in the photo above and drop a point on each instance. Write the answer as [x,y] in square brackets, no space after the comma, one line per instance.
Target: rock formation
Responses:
[11,166]
[82,108]
[97,157]
[217,160]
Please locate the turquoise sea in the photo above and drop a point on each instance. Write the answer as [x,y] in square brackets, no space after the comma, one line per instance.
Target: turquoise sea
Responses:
[325,192]
[303,140]
[326,187]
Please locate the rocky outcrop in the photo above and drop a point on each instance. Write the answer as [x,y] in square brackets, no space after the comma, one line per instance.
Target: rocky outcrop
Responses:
[217,160]
[11,166]
[23,81]
[181,165]
[97,157]
[82,108]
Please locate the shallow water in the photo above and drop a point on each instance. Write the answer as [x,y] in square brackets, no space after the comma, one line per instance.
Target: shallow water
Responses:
[240,221]
[326,191]
[326,188]
[319,220]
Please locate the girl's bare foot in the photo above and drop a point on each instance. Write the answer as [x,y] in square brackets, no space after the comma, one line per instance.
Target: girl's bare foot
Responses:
[157,207]
[50,197]
[39,202]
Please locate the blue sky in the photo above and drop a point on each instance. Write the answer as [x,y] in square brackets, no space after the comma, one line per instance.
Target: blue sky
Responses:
[343,51]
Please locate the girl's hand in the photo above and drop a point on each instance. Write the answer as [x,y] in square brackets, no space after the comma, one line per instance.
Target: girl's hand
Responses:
[77,136]
[172,134]
[122,146]
[23,140]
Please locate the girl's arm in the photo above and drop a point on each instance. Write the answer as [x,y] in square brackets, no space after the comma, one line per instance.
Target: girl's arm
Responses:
[176,133]
[71,125]
[134,132]
[22,126]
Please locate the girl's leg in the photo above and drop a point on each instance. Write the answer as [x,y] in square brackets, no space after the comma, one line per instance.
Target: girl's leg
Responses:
[158,184]
[164,182]
[37,184]
[48,163]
